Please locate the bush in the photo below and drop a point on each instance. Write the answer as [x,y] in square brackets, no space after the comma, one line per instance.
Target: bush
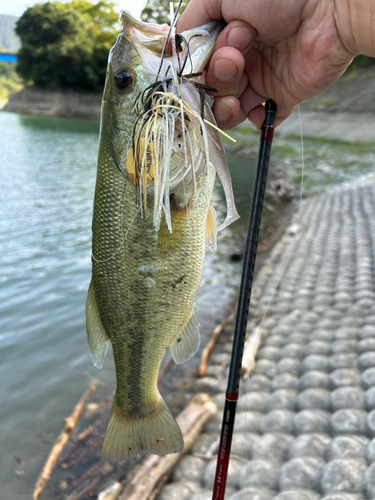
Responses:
[10,82]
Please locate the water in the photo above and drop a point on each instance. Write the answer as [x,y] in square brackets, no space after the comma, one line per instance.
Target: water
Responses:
[47,181]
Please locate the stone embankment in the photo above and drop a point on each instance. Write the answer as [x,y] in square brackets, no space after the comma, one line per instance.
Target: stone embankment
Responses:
[35,101]
[343,112]
[305,427]
[341,126]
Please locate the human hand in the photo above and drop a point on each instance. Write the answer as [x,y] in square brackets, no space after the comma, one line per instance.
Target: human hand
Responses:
[285,50]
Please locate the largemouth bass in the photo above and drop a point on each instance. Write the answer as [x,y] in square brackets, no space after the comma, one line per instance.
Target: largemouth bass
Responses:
[152,218]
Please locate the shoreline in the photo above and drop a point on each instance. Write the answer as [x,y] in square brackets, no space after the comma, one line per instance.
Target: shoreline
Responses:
[64,104]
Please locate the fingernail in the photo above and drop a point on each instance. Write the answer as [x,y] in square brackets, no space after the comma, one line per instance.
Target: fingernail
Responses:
[222,113]
[240,38]
[256,123]
[225,70]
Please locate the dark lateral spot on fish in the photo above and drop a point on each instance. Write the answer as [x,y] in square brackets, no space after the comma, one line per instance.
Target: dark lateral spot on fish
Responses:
[130,449]
[180,279]
[179,340]
[173,285]
[163,304]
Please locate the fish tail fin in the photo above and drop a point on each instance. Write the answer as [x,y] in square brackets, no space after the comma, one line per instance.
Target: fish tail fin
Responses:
[155,431]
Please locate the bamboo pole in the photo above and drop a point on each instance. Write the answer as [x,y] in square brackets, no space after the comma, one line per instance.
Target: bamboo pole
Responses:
[70,423]
[152,473]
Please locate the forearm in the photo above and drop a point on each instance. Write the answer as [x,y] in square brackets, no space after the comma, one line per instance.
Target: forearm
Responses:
[355,21]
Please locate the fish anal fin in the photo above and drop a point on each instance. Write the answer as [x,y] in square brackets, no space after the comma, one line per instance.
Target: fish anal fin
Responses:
[188,340]
[154,431]
[211,229]
[97,337]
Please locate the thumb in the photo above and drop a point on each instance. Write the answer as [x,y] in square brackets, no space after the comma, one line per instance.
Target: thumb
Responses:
[199,12]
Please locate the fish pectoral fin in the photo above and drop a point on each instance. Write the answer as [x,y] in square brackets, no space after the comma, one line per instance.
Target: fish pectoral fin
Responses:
[211,229]
[188,340]
[97,337]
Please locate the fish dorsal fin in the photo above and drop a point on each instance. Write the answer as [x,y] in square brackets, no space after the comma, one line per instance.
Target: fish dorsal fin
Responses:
[211,229]
[187,342]
[97,337]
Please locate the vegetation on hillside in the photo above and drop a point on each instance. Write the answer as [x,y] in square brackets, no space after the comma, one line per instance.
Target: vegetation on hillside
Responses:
[10,82]
[66,45]
[157,11]
[362,62]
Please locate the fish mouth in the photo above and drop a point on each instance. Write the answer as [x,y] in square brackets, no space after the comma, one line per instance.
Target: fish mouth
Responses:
[150,36]
[150,42]
[172,145]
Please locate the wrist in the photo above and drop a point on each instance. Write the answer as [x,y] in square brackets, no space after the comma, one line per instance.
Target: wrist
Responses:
[355,25]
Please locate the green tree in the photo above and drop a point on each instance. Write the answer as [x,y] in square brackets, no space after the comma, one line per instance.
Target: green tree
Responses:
[157,11]
[66,45]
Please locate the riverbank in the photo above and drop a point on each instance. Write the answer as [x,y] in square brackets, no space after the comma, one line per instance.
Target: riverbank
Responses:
[67,104]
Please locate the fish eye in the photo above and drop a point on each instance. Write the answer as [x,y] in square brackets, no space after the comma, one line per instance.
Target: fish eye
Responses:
[124,79]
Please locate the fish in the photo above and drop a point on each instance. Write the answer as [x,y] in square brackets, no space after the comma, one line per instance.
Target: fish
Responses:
[159,152]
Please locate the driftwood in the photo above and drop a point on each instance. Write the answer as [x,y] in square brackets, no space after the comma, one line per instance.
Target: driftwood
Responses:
[92,478]
[101,469]
[70,423]
[152,473]
[209,347]
[251,348]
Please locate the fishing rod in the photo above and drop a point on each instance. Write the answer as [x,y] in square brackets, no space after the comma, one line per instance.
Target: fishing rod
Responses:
[231,396]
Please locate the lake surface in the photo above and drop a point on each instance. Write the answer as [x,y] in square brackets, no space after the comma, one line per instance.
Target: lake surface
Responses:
[47,179]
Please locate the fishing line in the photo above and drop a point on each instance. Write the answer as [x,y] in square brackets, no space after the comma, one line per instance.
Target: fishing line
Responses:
[173,24]
[296,233]
[297,225]
[123,241]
